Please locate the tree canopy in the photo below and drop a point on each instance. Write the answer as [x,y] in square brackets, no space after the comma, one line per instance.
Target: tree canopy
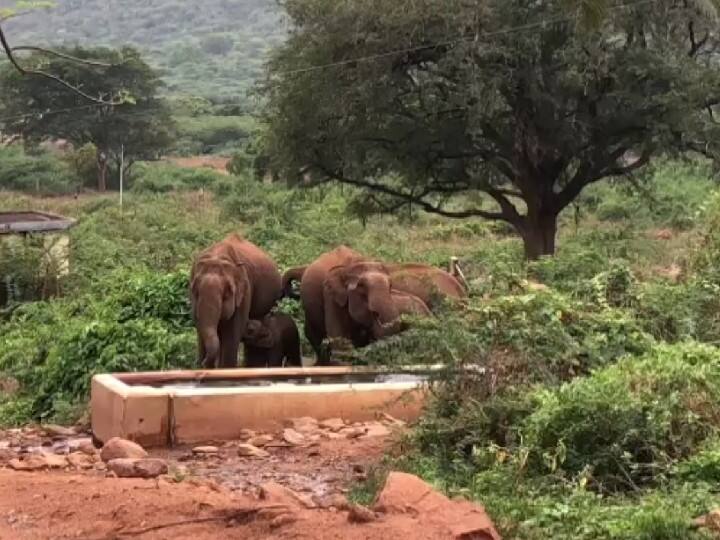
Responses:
[140,125]
[502,109]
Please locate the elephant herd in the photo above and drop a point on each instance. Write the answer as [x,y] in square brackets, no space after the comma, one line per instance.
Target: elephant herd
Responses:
[235,285]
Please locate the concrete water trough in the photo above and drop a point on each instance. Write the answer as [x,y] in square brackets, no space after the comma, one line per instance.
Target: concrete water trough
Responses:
[184,407]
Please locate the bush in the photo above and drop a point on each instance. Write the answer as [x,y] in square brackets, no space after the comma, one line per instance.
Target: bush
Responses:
[83,164]
[41,175]
[626,425]
[164,178]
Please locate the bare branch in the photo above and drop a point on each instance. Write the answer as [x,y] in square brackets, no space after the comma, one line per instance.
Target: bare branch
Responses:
[61,55]
[23,71]
[415,199]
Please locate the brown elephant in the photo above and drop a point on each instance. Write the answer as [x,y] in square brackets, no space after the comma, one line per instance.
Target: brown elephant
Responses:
[344,295]
[231,282]
[409,304]
[272,342]
[428,283]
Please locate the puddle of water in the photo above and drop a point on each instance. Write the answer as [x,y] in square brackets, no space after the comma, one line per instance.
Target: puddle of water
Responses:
[350,378]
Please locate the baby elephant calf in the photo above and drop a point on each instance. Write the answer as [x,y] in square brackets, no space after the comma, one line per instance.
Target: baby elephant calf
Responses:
[272,342]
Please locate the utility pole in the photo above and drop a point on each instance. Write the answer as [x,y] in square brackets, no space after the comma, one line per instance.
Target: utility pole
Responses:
[122,170]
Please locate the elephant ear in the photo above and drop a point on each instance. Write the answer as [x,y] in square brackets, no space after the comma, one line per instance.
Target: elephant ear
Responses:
[336,285]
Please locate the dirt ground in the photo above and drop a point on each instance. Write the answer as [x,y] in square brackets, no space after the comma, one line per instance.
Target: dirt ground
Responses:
[219,495]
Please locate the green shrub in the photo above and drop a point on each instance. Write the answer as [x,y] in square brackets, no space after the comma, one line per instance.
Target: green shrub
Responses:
[625,425]
[41,175]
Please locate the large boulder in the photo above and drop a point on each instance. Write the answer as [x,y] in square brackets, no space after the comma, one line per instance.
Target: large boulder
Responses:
[117,448]
[407,494]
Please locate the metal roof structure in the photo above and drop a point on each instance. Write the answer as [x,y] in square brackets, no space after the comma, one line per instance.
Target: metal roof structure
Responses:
[30,222]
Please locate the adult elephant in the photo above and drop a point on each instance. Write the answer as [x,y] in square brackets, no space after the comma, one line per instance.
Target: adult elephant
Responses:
[231,282]
[429,283]
[344,295]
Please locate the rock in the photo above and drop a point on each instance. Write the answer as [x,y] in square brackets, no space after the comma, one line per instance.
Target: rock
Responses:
[337,501]
[88,448]
[277,494]
[80,460]
[462,519]
[248,450]
[376,429]
[293,437]
[138,468]
[247,434]
[306,424]
[663,234]
[333,424]
[261,440]
[353,433]
[117,448]
[59,431]
[205,450]
[30,463]
[77,445]
[55,462]
[6,455]
[360,514]
[282,520]
[392,420]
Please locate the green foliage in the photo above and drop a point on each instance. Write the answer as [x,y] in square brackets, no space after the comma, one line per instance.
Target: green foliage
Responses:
[212,134]
[42,175]
[174,34]
[83,164]
[164,178]
[140,127]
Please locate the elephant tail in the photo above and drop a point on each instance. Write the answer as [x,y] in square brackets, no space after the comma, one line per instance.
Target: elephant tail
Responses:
[293,274]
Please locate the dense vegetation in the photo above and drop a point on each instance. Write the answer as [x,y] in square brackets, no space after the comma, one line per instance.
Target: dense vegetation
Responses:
[600,421]
[213,48]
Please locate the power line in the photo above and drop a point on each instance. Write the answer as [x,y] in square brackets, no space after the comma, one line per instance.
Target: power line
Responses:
[474,37]
[378,56]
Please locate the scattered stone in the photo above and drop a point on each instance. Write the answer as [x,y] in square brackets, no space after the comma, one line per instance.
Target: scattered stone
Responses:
[54,461]
[138,468]
[282,520]
[337,501]
[333,424]
[360,514]
[59,431]
[332,436]
[306,424]
[376,429]
[30,463]
[293,437]
[80,460]
[277,494]
[88,448]
[261,440]
[247,434]
[407,493]
[6,455]
[392,420]
[663,234]
[117,448]
[205,450]
[248,450]
[353,433]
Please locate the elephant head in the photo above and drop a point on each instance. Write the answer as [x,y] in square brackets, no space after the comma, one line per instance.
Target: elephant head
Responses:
[259,334]
[364,290]
[220,291]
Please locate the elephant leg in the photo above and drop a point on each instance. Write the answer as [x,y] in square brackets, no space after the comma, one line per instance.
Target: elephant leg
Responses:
[231,335]
[315,340]
[201,349]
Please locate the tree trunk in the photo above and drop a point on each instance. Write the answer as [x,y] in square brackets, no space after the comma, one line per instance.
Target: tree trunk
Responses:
[102,166]
[538,232]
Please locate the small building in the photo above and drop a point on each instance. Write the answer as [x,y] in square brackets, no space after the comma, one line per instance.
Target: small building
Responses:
[36,274]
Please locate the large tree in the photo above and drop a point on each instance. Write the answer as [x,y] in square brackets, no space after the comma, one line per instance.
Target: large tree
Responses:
[138,123]
[503,109]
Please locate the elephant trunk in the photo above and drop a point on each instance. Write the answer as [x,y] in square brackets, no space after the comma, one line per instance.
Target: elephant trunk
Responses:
[207,313]
[386,318]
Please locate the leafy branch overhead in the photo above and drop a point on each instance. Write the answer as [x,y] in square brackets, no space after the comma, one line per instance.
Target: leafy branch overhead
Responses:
[490,108]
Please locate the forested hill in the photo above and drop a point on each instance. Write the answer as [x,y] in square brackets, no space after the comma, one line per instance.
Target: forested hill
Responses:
[213,48]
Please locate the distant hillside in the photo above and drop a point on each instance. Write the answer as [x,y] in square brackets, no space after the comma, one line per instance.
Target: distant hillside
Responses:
[213,48]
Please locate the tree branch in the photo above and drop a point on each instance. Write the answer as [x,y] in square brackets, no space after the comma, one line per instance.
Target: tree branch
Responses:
[415,199]
[23,71]
[50,52]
